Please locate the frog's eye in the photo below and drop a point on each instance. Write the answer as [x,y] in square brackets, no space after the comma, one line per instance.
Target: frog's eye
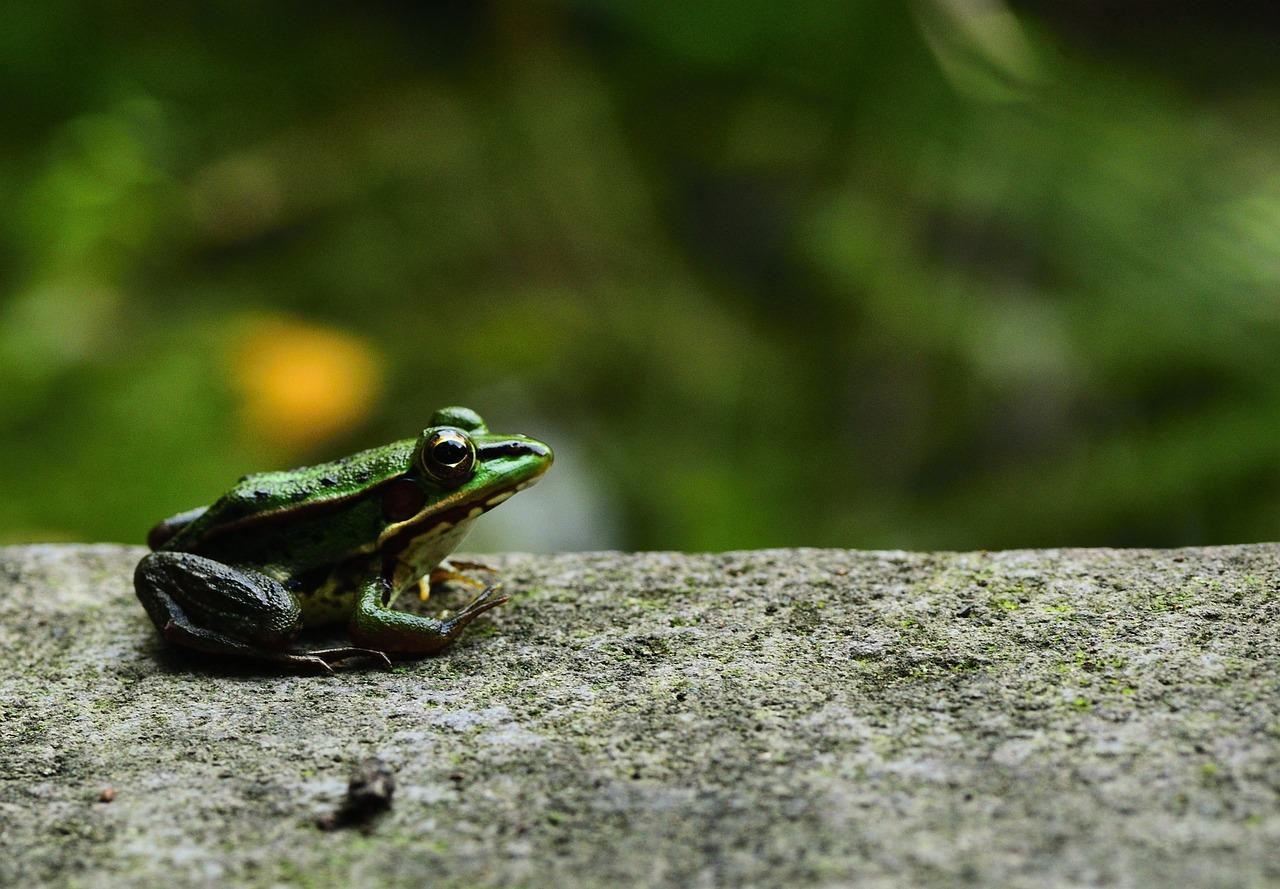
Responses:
[448,456]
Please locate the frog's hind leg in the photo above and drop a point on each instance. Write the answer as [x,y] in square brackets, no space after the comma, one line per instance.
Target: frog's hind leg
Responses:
[205,605]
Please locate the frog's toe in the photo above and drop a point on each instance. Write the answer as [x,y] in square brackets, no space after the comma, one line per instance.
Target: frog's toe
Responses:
[467,565]
[337,655]
[305,660]
[482,603]
[445,575]
[325,659]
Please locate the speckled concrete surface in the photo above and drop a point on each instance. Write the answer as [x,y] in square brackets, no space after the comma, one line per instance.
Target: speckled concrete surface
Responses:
[799,718]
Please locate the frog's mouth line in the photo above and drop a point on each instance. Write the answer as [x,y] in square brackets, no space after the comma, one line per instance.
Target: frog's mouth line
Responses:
[440,522]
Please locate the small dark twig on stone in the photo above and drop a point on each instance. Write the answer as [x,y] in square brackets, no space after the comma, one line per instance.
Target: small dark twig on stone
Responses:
[368,796]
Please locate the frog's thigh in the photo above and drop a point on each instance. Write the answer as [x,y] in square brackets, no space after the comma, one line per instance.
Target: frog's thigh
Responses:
[191,598]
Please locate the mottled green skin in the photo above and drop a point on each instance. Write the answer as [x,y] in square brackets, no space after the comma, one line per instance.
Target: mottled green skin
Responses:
[288,523]
[328,536]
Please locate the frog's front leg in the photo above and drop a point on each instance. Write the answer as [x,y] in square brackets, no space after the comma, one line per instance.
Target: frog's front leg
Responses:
[203,604]
[376,624]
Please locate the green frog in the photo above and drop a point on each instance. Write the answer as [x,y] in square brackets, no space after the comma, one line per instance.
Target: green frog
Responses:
[335,543]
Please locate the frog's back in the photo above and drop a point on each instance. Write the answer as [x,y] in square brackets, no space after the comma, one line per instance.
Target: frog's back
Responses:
[262,495]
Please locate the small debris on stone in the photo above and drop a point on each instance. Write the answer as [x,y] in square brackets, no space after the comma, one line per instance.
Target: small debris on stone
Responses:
[368,795]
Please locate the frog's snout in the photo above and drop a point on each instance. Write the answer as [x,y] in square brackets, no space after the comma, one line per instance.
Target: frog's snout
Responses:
[542,452]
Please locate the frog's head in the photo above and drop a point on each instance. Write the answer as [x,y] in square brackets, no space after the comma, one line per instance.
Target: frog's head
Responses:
[459,470]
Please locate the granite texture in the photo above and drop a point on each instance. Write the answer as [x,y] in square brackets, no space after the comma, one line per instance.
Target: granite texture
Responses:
[796,718]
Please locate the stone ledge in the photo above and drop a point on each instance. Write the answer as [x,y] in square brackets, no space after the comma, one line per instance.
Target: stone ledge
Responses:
[799,717]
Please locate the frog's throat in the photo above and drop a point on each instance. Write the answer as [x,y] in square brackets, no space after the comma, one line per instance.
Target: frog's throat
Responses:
[422,554]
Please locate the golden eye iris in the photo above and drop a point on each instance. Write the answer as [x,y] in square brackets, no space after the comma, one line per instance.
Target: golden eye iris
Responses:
[448,456]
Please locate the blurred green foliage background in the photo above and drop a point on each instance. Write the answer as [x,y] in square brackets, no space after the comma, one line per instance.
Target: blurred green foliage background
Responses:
[945,274]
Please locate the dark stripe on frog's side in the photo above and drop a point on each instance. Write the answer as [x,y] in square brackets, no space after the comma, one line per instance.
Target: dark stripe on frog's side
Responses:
[265,519]
[294,552]
[292,513]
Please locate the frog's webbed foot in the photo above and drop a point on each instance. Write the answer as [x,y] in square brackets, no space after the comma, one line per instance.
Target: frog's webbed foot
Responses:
[376,624]
[202,604]
[480,604]
[455,571]
[330,656]
[323,660]
[181,632]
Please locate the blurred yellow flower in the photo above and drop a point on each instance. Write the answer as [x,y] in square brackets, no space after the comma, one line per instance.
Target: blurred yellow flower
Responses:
[303,383]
